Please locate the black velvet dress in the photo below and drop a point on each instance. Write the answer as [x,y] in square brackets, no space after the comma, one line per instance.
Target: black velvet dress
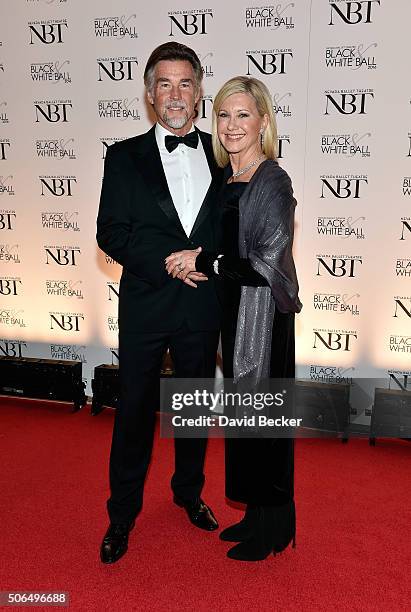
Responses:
[259,471]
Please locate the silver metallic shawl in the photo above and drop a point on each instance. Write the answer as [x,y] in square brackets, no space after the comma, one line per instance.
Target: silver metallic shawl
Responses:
[266,230]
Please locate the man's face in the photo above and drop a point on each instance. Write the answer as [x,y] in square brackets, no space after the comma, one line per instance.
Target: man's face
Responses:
[174,95]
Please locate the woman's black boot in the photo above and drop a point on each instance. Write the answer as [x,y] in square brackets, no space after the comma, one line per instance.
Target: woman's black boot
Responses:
[242,530]
[285,526]
[274,529]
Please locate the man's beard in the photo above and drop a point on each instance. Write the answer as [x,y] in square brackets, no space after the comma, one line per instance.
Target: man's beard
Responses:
[176,122]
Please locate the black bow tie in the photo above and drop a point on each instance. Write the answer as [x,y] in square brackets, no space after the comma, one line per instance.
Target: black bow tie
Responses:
[172,142]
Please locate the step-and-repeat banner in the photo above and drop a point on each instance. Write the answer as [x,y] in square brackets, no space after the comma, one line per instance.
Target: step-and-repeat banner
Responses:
[71,84]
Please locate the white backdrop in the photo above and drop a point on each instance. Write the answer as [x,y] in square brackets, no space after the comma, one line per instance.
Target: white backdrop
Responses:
[71,83]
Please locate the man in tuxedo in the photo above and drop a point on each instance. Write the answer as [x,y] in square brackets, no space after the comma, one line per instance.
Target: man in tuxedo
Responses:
[158,197]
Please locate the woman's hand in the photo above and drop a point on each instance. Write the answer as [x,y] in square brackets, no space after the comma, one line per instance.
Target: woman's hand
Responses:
[194,277]
[180,264]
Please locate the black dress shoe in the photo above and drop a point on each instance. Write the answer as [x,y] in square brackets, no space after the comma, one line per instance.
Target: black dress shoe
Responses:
[115,542]
[199,513]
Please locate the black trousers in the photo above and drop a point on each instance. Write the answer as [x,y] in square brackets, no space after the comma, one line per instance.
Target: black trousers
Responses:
[260,471]
[141,354]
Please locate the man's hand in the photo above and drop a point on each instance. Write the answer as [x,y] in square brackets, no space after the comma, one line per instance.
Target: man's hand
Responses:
[180,264]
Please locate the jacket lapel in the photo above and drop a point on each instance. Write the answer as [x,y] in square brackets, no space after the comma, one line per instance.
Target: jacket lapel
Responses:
[149,158]
[214,185]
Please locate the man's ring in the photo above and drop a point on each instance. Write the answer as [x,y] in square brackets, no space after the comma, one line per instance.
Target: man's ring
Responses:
[180,266]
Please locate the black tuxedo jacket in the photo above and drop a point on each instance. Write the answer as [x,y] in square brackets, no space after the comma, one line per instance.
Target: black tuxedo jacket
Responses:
[138,226]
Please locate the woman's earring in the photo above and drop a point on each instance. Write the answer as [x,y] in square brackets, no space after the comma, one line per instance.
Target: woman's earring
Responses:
[262,138]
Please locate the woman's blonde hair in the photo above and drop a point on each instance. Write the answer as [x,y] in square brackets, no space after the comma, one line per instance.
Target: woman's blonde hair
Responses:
[259,92]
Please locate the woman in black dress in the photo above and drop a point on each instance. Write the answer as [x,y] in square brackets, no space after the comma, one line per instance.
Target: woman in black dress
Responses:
[255,274]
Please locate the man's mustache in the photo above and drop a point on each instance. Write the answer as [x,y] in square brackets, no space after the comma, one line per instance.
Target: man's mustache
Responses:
[181,105]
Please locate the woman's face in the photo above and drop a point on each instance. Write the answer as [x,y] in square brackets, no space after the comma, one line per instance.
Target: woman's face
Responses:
[239,125]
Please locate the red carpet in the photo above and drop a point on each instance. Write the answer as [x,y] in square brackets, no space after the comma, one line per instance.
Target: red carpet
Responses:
[353,538]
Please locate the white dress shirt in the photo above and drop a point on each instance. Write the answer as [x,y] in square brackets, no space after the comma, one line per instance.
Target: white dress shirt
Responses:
[188,176]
